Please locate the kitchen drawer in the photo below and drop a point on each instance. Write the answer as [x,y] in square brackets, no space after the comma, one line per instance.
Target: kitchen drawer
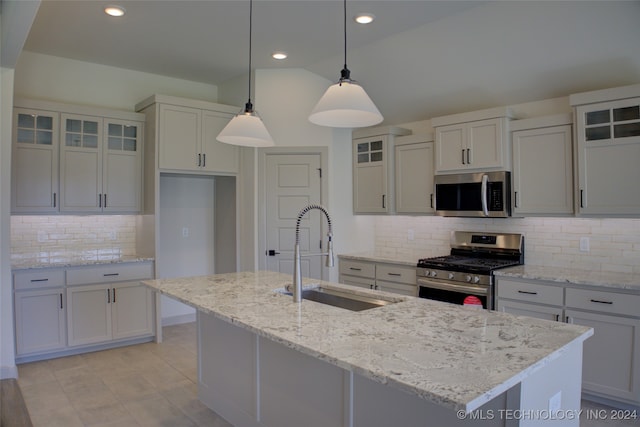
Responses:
[530,292]
[40,278]
[606,302]
[361,282]
[358,268]
[396,273]
[120,272]
[397,288]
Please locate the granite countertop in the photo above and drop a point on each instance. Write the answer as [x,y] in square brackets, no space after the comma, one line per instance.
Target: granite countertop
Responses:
[564,276]
[72,261]
[454,356]
[378,257]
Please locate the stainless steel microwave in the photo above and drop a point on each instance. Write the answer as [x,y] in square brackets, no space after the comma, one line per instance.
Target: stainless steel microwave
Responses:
[484,194]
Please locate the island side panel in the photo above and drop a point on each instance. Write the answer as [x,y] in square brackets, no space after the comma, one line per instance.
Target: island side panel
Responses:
[551,396]
[300,390]
[379,405]
[227,370]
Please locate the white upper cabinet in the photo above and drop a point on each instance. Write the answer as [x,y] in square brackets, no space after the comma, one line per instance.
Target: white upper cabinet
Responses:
[608,151]
[72,158]
[542,166]
[471,142]
[414,174]
[34,184]
[185,135]
[101,164]
[373,179]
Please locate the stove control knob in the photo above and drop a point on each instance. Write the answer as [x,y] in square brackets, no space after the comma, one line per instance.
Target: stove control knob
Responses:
[451,276]
[468,278]
[476,279]
[434,273]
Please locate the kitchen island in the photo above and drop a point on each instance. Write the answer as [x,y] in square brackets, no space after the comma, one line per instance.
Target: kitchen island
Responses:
[264,360]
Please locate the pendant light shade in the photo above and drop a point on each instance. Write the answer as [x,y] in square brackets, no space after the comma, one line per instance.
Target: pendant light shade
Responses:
[345,104]
[246,128]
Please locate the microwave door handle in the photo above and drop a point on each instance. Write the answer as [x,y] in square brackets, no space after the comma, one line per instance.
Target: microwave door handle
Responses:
[485,181]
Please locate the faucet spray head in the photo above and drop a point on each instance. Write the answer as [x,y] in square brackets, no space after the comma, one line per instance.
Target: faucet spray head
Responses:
[330,262]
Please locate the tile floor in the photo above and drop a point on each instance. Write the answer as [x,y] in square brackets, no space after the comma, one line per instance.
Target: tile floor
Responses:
[143,385]
[146,385]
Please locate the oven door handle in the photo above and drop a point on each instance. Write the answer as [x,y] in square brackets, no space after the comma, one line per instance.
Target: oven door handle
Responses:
[485,181]
[465,289]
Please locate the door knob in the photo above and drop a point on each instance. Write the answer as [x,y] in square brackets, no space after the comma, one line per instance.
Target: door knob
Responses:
[272,252]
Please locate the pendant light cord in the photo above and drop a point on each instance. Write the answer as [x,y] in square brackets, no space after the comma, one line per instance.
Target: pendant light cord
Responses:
[249,106]
[345,74]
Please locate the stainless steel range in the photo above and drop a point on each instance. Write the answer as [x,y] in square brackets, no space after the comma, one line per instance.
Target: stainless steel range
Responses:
[466,275]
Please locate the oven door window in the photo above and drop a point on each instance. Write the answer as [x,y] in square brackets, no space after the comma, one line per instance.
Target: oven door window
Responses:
[449,296]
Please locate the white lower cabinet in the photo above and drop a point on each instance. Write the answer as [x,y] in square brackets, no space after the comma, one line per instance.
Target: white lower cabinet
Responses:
[395,278]
[99,313]
[40,320]
[611,358]
[67,310]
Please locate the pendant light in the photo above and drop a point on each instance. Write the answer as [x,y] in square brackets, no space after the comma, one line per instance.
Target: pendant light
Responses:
[246,128]
[345,104]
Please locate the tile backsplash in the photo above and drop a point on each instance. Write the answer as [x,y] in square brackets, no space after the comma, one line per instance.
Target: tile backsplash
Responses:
[51,238]
[614,244]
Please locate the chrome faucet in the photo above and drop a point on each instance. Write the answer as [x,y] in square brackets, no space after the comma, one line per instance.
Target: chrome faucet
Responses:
[297,276]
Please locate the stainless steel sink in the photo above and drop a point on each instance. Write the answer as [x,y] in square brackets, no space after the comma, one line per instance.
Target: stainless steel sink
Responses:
[344,300]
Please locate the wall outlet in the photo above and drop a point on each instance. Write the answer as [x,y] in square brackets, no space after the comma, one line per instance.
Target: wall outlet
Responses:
[185,231]
[555,402]
[410,234]
[584,244]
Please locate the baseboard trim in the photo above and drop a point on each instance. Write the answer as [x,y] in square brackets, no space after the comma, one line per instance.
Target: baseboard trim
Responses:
[7,372]
[177,320]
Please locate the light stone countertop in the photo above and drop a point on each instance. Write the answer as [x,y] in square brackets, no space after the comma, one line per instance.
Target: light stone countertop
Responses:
[378,257]
[564,276]
[451,355]
[72,261]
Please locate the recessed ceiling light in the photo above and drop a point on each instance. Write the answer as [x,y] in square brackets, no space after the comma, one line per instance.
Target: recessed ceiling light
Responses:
[364,18]
[114,10]
[279,55]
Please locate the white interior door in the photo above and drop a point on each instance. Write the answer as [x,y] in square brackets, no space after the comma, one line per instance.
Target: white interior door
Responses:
[293,181]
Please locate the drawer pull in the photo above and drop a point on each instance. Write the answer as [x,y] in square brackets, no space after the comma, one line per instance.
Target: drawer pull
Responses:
[355,269]
[394,274]
[108,296]
[111,274]
[39,280]
[114,294]
[528,292]
[601,302]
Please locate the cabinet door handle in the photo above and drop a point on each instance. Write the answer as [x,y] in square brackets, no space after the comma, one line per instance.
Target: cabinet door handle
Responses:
[515,198]
[105,199]
[99,200]
[383,202]
[204,159]
[431,200]
[355,269]
[528,292]
[581,198]
[557,317]
[597,301]
[468,156]
[114,295]
[108,296]
[463,156]
[54,200]
[61,307]
[199,159]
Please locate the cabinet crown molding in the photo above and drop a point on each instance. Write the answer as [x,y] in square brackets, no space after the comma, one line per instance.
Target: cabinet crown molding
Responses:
[472,116]
[602,95]
[85,110]
[186,102]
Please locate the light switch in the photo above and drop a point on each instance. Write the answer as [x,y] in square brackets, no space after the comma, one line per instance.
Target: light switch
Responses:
[185,231]
[584,244]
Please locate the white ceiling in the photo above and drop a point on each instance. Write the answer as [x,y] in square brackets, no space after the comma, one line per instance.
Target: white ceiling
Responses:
[418,59]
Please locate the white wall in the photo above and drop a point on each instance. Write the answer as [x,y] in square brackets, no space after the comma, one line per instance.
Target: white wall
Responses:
[284,98]
[66,80]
